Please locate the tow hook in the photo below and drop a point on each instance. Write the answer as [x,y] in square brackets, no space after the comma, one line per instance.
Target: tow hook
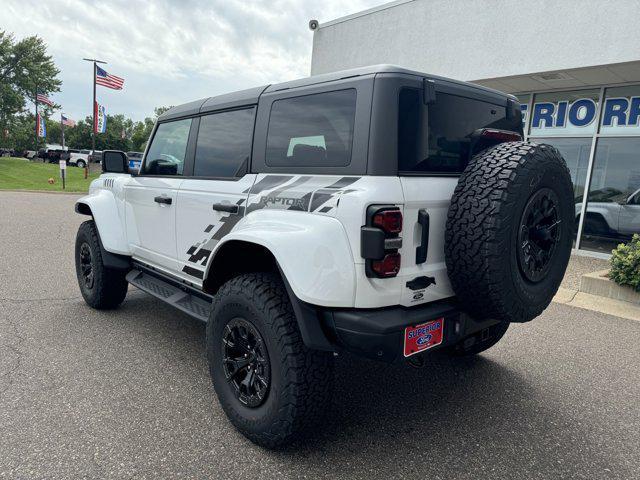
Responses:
[416,361]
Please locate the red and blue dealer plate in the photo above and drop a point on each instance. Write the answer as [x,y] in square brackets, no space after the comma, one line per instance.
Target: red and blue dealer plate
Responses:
[423,337]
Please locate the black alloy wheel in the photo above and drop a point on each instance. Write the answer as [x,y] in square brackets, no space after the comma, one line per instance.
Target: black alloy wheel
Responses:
[100,286]
[539,234]
[86,266]
[246,362]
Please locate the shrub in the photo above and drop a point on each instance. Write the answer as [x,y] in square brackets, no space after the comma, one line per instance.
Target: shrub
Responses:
[625,264]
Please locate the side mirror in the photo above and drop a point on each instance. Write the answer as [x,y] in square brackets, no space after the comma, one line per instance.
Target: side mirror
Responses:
[114,161]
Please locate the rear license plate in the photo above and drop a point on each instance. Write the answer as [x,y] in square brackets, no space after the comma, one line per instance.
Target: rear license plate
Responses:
[423,337]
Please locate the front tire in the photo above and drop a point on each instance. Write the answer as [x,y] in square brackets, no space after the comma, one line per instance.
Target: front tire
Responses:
[101,287]
[81,164]
[272,388]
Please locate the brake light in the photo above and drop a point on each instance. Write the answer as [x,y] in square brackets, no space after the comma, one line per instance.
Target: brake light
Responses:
[389,266]
[388,220]
[380,241]
[502,135]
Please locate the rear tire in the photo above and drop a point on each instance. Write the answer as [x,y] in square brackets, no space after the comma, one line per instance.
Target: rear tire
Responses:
[509,231]
[272,388]
[101,287]
[81,164]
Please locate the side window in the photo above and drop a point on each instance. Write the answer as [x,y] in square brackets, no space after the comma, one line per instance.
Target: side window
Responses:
[224,143]
[168,148]
[313,130]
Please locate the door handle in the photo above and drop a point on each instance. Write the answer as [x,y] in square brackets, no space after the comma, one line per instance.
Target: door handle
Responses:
[422,250]
[163,199]
[225,207]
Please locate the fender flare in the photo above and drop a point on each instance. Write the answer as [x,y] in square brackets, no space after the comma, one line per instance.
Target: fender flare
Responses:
[312,251]
[109,218]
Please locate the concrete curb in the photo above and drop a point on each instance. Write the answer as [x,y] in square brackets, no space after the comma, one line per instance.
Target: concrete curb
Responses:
[598,283]
[596,303]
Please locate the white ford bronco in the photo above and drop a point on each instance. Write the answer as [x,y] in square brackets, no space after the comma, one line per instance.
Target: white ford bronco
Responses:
[378,211]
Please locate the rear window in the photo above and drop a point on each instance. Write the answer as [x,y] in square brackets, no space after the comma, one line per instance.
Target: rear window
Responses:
[312,131]
[437,138]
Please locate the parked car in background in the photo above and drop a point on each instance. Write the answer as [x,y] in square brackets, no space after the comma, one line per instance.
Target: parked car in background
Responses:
[52,155]
[135,159]
[79,158]
[611,213]
[95,157]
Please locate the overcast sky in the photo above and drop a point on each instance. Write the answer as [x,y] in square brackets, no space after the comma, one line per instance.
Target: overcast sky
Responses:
[170,52]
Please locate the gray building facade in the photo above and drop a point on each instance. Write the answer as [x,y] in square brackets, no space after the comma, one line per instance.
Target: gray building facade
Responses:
[574,65]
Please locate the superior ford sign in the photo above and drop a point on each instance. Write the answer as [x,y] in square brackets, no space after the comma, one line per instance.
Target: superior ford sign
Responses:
[620,116]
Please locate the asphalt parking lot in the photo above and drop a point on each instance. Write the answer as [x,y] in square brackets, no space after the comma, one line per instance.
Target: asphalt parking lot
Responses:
[126,394]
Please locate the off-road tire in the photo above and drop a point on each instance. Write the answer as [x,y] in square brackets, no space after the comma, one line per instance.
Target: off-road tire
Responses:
[108,288]
[300,379]
[483,252]
[478,342]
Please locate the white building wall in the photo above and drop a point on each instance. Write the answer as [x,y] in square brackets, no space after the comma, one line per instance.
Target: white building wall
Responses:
[482,39]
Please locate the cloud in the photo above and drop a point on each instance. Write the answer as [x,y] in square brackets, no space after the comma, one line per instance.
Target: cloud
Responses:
[174,51]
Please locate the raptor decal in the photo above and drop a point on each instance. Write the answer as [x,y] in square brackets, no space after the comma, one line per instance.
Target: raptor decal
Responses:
[318,194]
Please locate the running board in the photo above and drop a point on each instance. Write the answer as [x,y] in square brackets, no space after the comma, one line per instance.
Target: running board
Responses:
[166,291]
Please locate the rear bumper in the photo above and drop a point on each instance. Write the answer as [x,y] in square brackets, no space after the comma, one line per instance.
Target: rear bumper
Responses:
[379,333]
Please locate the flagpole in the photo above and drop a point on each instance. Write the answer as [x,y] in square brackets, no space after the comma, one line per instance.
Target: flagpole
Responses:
[35,138]
[62,130]
[93,109]
[93,129]
[95,61]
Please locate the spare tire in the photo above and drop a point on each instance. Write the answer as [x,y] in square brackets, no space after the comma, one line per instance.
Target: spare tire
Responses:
[509,231]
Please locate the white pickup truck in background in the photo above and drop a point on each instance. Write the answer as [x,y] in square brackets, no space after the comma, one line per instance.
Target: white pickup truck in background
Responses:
[79,158]
[611,213]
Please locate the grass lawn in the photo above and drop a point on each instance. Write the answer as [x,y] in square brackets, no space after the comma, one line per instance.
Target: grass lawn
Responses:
[21,174]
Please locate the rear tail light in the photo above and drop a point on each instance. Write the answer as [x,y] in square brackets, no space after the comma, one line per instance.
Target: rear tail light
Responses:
[388,220]
[380,241]
[389,266]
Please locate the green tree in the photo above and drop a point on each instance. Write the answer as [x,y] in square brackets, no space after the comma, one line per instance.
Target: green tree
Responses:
[142,130]
[54,131]
[24,66]
[20,130]
[113,139]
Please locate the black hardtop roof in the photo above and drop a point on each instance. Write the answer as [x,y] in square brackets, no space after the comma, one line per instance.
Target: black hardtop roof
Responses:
[252,95]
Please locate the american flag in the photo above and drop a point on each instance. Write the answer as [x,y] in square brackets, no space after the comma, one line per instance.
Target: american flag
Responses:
[44,99]
[68,122]
[107,80]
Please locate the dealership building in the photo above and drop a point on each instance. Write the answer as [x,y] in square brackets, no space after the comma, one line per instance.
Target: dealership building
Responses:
[574,65]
